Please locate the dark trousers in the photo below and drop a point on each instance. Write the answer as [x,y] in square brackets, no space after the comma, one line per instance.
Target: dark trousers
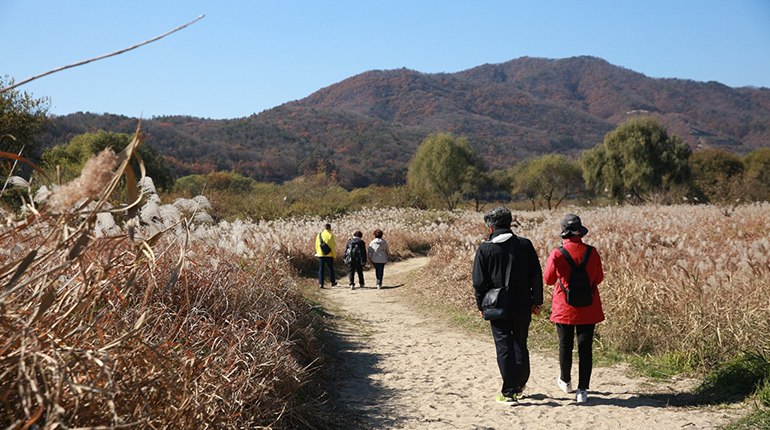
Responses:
[510,335]
[585,339]
[379,268]
[322,262]
[352,269]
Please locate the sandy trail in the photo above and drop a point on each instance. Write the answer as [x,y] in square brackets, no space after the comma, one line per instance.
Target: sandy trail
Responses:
[399,369]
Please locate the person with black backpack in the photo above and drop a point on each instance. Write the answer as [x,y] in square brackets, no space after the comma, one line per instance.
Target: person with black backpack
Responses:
[576,271]
[355,258]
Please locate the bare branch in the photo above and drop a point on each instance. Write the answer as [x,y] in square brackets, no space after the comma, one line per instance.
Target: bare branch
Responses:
[8,88]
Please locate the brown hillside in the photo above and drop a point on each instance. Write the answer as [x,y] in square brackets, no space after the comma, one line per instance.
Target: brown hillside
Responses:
[368,126]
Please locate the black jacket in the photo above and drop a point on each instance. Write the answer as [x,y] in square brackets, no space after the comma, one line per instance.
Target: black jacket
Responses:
[491,262]
[356,241]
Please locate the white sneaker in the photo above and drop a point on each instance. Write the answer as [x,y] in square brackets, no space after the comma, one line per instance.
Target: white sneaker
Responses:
[581,396]
[565,386]
[352,286]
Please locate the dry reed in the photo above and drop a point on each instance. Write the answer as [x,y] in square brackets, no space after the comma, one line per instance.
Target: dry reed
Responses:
[678,279]
[128,324]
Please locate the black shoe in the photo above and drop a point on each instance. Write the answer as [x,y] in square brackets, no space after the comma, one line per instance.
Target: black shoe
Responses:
[334,284]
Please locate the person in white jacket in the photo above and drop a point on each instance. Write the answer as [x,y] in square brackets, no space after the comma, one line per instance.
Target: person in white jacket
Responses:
[378,255]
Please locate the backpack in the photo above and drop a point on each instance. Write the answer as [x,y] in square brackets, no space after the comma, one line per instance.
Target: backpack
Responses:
[352,253]
[581,291]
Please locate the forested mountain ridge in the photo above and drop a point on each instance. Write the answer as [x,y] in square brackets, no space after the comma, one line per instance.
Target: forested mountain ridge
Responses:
[367,127]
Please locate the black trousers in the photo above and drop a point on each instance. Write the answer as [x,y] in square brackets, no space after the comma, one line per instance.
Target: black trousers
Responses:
[324,262]
[510,335]
[352,269]
[585,339]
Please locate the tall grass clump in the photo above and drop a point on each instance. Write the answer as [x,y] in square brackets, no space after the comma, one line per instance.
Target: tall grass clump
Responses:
[120,316]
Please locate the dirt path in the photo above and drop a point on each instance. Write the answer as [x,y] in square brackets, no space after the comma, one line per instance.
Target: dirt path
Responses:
[398,369]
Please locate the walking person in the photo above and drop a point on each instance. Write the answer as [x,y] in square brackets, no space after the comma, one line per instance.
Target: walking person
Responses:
[583,273]
[492,268]
[355,258]
[378,255]
[326,251]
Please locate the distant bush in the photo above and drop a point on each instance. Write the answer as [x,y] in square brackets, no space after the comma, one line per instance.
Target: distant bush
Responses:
[234,196]
[219,181]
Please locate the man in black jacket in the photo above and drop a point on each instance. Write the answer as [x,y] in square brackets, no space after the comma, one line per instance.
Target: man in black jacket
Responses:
[525,289]
[355,258]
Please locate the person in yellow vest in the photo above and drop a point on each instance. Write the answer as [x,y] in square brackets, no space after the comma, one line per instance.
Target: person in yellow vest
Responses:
[326,251]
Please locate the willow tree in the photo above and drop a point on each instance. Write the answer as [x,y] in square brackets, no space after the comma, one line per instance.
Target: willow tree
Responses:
[757,164]
[449,167]
[637,159]
[719,175]
[550,177]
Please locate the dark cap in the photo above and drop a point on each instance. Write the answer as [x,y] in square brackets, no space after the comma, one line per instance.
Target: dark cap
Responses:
[572,226]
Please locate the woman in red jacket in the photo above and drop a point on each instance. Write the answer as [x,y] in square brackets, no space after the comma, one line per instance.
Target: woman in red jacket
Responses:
[570,319]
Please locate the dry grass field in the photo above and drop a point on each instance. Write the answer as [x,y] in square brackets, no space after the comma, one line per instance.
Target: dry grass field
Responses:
[149,315]
[685,280]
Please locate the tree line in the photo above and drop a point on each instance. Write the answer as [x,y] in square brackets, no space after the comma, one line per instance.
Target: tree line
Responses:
[638,162]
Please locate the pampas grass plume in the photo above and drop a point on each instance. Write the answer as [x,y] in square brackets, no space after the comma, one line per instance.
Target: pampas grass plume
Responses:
[94,178]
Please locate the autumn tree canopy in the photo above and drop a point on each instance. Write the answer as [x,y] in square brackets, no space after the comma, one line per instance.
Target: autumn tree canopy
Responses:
[636,159]
[550,177]
[447,166]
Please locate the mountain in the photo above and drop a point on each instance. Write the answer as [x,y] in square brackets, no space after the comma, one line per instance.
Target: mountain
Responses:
[367,127]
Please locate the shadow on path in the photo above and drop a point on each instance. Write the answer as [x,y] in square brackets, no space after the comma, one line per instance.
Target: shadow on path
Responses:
[354,394]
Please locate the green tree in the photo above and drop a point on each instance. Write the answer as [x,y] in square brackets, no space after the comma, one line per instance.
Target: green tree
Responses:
[551,177]
[447,166]
[71,157]
[229,181]
[522,183]
[477,181]
[719,175]
[21,117]
[637,159]
[757,164]
[192,185]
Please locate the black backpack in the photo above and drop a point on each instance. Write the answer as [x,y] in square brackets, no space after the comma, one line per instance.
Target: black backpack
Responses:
[581,291]
[352,253]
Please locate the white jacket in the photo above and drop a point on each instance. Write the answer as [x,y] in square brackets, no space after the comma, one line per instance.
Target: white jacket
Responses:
[378,251]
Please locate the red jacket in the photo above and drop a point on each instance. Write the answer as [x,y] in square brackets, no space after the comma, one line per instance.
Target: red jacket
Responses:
[557,267]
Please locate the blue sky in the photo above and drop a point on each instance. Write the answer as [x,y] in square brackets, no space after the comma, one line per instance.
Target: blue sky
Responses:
[248,56]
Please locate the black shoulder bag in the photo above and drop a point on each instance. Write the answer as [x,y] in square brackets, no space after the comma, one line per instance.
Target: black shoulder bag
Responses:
[325,249]
[495,302]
